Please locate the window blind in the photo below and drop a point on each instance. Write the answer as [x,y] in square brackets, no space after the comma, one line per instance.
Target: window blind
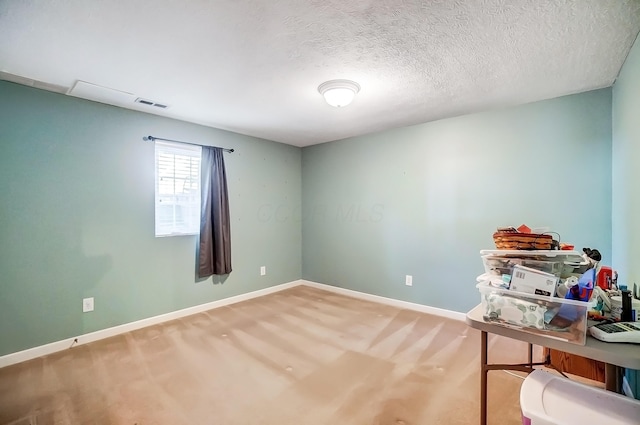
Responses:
[177,179]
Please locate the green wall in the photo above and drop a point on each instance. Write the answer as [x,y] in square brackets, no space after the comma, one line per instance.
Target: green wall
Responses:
[76,211]
[77,218]
[423,200]
[626,173]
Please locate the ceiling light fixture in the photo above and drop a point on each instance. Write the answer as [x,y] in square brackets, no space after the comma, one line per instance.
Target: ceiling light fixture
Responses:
[339,93]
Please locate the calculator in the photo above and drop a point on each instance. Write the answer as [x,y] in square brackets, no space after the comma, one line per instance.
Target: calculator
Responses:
[617,332]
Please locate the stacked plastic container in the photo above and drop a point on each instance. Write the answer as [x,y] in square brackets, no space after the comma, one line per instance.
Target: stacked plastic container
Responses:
[519,289]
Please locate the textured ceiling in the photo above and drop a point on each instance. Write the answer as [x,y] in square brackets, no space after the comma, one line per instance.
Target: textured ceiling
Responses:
[253,66]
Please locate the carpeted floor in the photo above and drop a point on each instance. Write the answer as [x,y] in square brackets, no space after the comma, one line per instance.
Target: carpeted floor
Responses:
[300,356]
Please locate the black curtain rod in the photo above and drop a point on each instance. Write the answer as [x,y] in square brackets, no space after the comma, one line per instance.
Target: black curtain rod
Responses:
[153,139]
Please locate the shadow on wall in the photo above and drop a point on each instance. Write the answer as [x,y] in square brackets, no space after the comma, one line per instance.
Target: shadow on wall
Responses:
[215,279]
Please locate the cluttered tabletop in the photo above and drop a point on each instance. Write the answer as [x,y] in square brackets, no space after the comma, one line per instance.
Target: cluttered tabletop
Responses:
[534,283]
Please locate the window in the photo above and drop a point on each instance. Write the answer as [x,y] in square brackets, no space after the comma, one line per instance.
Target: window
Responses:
[177,189]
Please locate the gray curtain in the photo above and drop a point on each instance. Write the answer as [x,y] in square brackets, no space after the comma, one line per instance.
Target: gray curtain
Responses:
[215,232]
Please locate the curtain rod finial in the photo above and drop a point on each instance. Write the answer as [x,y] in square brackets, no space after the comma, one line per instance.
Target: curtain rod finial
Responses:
[145,138]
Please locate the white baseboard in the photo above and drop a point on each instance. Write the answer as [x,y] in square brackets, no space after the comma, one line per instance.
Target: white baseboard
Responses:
[389,301]
[43,350]
[64,344]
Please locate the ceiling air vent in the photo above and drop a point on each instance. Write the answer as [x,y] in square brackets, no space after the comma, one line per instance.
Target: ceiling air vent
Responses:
[151,103]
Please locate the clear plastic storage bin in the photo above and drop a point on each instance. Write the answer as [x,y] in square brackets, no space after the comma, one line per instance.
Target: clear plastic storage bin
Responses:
[499,266]
[551,317]
[546,399]
[498,262]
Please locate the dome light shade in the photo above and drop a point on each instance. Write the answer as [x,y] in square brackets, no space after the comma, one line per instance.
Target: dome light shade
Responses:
[339,93]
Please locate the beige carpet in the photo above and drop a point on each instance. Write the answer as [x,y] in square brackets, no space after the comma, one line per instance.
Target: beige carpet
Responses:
[301,356]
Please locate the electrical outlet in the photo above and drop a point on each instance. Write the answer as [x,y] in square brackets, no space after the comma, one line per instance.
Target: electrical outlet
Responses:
[408,280]
[263,270]
[87,305]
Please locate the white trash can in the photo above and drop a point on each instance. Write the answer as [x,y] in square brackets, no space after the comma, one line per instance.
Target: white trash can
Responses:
[547,399]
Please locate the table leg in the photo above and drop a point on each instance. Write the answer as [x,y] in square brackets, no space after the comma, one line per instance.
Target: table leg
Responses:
[530,356]
[483,378]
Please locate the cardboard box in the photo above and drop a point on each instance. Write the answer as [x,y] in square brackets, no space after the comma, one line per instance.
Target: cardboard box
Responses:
[532,281]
